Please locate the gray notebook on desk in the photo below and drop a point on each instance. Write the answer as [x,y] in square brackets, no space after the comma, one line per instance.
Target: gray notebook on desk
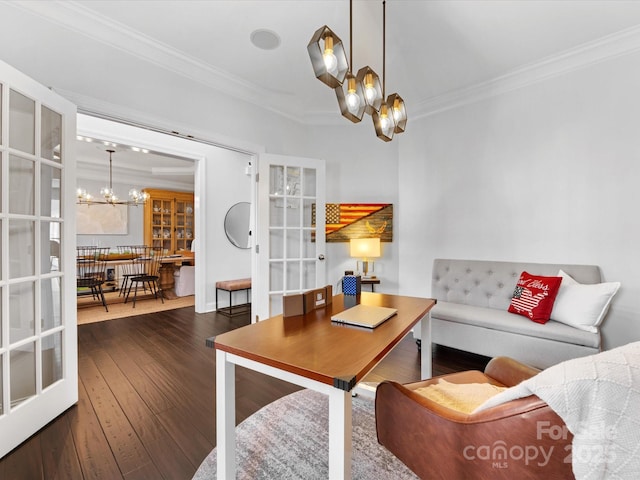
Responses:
[369,316]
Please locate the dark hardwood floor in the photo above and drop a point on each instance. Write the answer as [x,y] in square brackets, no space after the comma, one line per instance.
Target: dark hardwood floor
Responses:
[146,408]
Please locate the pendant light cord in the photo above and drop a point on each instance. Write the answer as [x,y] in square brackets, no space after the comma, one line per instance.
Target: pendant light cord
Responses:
[384,48]
[351,35]
[110,172]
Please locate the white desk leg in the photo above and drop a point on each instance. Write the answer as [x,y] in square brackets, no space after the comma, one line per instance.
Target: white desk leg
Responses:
[340,427]
[225,416]
[425,339]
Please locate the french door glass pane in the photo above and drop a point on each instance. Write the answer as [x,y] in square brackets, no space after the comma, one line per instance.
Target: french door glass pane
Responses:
[276,212]
[51,359]
[22,122]
[22,299]
[275,304]
[50,247]
[51,300]
[21,242]
[293,275]
[293,212]
[293,188]
[0,144]
[308,247]
[307,215]
[51,133]
[309,182]
[308,274]
[21,185]
[22,365]
[293,243]
[276,243]
[50,191]
[276,180]
[276,274]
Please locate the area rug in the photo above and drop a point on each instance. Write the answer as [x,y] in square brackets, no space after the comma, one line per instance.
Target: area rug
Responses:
[91,311]
[289,439]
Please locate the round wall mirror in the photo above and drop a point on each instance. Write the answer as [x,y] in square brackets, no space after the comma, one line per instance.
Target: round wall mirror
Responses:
[236,224]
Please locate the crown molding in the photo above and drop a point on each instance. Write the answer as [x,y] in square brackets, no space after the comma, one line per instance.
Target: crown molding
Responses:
[585,55]
[75,16]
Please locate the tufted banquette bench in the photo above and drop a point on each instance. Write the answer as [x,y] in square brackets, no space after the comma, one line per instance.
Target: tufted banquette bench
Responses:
[471,313]
[231,286]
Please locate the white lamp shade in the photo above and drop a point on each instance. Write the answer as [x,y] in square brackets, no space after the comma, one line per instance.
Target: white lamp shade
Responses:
[365,247]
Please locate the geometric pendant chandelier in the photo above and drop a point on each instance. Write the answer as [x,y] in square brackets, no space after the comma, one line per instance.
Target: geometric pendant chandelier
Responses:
[359,93]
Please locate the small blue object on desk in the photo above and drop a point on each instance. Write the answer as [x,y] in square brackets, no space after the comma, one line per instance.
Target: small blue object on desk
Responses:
[351,284]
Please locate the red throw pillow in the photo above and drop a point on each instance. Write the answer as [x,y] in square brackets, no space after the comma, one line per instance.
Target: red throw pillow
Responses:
[534,295]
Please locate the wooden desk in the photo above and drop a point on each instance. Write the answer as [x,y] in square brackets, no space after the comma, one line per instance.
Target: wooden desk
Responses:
[311,351]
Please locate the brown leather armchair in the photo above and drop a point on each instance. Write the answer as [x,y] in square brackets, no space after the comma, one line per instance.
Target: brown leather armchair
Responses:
[521,439]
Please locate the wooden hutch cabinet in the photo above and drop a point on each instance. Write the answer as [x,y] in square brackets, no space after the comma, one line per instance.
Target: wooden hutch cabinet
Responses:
[169,220]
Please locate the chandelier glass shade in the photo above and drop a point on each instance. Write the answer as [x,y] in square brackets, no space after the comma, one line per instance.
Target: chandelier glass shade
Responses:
[108,196]
[384,123]
[328,57]
[399,112]
[372,89]
[362,93]
[351,98]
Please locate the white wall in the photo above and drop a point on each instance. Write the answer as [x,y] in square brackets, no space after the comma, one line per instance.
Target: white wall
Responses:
[547,173]
[227,185]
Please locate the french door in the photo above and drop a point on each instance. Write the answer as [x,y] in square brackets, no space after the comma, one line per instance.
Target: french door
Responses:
[290,248]
[38,347]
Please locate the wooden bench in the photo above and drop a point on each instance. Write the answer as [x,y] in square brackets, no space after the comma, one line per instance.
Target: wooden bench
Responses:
[234,286]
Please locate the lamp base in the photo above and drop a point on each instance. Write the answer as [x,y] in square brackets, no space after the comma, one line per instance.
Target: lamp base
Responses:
[366,267]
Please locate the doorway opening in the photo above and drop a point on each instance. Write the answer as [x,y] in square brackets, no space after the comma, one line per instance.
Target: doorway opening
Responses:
[212,191]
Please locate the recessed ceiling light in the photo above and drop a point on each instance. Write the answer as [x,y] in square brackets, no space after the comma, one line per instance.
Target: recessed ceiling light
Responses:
[265,39]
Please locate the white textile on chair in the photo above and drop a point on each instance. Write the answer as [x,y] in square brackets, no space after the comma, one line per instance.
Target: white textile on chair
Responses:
[185,281]
[598,398]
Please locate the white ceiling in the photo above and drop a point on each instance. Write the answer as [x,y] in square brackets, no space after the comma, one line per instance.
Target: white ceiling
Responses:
[129,166]
[435,49]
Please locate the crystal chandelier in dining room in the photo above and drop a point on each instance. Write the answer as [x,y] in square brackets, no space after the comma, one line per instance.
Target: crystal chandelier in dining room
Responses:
[107,194]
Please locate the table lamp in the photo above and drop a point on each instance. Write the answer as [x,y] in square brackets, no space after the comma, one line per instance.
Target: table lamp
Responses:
[365,248]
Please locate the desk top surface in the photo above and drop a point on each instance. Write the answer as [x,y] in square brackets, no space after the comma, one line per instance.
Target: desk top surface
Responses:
[313,346]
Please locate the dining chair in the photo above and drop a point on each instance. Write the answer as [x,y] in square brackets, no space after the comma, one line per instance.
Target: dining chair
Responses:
[152,260]
[90,272]
[132,268]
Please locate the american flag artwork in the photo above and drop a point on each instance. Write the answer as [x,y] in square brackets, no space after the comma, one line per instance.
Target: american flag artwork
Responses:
[357,220]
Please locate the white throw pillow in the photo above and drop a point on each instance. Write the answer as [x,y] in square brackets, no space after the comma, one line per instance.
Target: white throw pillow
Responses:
[582,305]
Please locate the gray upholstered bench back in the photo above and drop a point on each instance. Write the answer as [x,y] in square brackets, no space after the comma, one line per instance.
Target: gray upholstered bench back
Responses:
[491,284]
